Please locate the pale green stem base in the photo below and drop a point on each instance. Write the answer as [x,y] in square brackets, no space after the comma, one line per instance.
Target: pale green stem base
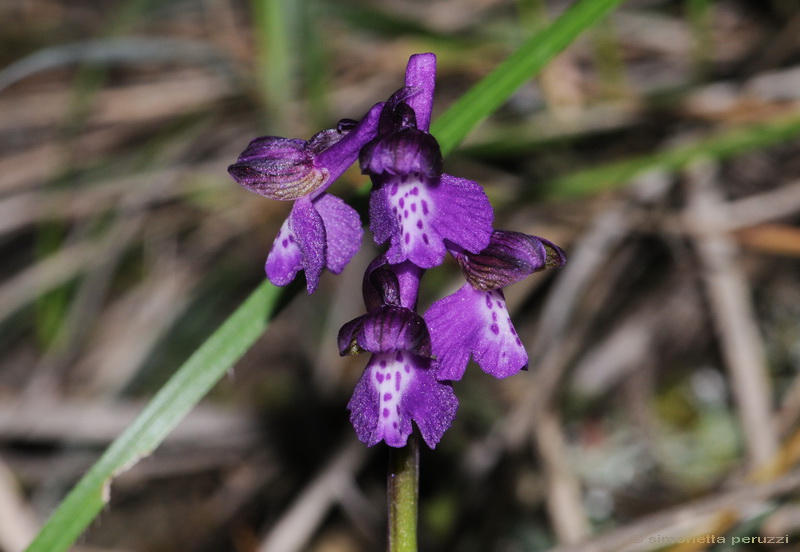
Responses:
[403,484]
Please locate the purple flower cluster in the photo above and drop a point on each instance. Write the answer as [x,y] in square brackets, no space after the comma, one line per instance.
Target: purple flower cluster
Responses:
[421,214]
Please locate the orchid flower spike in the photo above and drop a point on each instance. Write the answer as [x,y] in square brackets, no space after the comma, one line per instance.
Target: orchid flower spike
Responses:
[420,214]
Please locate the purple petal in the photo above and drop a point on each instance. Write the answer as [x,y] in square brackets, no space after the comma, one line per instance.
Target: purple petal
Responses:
[396,113]
[382,221]
[342,231]
[391,285]
[405,211]
[309,231]
[278,168]
[421,73]
[403,152]
[395,389]
[380,286]
[284,259]
[416,216]
[473,322]
[464,215]
[337,158]
[509,258]
[408,276]
[389,329]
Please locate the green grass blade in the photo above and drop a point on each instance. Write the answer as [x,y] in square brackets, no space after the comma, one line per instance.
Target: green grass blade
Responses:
[719,146]
[211,361]
[169,406]
[489,94]
[273,26]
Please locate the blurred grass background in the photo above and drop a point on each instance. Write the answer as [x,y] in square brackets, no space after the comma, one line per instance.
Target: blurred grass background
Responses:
[660,151]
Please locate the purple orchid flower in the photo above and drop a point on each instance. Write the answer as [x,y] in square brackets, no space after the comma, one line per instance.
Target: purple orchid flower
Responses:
[418,210]
[398,385]
[321,230]
[474,320]
[421,213]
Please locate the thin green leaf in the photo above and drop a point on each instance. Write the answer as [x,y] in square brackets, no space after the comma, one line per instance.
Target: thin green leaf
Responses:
[169,406]
[273,26]
[719,146]
[491,92]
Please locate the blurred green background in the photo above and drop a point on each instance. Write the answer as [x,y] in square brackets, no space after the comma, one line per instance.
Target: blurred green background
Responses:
[661,151]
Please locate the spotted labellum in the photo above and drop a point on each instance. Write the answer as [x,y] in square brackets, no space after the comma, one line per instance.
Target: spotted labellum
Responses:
[419,214]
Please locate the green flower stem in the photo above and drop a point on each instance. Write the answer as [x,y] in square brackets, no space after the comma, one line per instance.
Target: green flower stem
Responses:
[403,483]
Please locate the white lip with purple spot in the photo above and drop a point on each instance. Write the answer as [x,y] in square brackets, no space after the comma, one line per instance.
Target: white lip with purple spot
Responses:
[413,208]
[391,375]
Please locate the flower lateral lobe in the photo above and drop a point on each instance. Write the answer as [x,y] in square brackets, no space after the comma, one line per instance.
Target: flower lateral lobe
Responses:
[395,389]
[323,233]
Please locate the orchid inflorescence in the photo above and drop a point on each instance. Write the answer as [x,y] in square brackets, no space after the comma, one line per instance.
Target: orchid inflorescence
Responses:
[422,214]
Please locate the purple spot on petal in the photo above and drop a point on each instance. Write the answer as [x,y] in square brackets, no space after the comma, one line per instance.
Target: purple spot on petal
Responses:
[394,425]
[408,368]
[500,304]
[285,243]
[424,207]
[393,191]
[419,224]
[405,213]
[291,238]
[383,364]
[397,376]
[414,191]
[388,376]
[399,356]
[387,397]
[510,327]
[413,207]
[519,342]
[385,412]
[495,329]
[402,202]
[489,301]
[379,377]
[408,237]
[425,238]
[494,316]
